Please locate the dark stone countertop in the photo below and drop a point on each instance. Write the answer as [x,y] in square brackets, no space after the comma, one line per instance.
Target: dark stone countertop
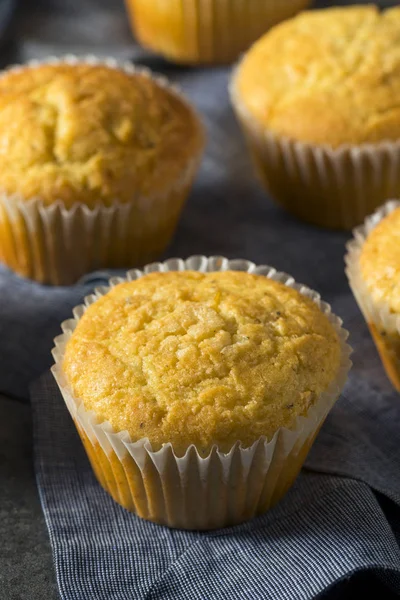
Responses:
[26,568]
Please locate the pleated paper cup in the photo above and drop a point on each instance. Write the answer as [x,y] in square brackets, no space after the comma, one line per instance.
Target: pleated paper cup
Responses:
[197,491]
[334,188]
[206,31]
[55,244]
[383,324]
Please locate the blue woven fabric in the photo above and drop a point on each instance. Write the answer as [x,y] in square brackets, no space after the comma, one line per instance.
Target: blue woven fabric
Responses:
[341,518]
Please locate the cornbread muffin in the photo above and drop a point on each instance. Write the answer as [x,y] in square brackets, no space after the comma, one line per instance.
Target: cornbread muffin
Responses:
[379,289]
[328,77]
[380,262]
[198,32]
[198,392]
[90,136]
[203,359]
[100,134]
[322,89]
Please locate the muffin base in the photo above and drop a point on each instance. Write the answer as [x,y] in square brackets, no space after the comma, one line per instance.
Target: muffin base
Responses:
[198,491]
[204,32]
[333,188]
[56,245]
[388,345]
[167,498]
[383,324]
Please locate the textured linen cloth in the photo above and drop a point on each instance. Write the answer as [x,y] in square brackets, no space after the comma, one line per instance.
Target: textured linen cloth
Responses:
[341,518]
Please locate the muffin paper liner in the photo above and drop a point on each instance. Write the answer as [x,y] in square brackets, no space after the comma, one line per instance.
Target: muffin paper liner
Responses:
[384,324]
[195,491]
[206,31]
[56,245]
[335,188]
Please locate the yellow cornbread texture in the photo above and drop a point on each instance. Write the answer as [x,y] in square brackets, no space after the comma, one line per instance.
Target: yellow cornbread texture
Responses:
[193,358]
[327,77]
[380,261]
[91,134]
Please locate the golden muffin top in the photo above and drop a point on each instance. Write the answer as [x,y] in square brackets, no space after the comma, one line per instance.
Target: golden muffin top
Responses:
[193,358]
[91,133]
[380,261]
[327,77]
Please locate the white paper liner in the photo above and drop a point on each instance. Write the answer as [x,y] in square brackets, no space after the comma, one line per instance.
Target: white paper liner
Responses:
[193,491]
[211,31]
[56,245]
[376,313]
[331,187]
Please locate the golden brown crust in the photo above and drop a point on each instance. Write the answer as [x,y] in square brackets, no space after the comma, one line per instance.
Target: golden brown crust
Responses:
[327,77]
[91,134]
[192,358]
[380,261]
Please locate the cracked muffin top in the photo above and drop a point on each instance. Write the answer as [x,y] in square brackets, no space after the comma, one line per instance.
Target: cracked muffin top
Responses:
[91,134]
[328,77]
[201,358]
[380,261]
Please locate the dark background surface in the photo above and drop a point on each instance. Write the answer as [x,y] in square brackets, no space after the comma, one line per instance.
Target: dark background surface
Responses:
[45,27]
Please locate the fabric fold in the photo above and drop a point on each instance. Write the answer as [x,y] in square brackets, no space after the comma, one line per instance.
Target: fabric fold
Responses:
[329,527]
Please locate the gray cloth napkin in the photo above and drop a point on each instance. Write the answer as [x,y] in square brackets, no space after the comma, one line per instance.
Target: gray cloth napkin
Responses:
[343,515]
[340,518]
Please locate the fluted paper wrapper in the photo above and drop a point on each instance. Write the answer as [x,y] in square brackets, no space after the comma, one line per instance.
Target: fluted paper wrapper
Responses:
[56,245]
[384,324]
[334,188]
[206,31]
[194,491]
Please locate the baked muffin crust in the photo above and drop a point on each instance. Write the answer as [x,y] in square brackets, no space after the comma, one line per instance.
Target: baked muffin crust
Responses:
[194,358]
[329,77]
[380,261]
[91,134]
